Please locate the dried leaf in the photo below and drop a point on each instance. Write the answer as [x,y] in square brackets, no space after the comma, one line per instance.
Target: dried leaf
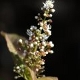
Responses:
[11,40]
[48,78]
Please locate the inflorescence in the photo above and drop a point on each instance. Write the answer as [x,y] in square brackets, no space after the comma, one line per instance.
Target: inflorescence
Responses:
[37,45]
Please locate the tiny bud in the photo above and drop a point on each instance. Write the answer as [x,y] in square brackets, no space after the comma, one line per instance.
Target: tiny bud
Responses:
[16,77]
[41,8]
[20,40]
[41,28]
[36,38]
[40,37]
[51,51]
[37,69]
[41,24]
[36,17]
[51,44]
[52,10]
[35,43]
[17,67]
[50,15]
[42,50]
[46,52]
[45,14]
[44,43]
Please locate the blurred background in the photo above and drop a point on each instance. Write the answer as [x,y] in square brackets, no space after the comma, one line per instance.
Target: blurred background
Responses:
[16,16]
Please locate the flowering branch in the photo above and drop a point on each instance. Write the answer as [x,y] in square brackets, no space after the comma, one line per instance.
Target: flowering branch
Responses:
[28,57]
[37,45]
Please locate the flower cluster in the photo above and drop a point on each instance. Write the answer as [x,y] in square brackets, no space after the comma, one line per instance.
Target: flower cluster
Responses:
[38,46]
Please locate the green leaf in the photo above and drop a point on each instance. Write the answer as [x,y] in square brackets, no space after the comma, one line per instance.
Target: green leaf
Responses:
[48,78]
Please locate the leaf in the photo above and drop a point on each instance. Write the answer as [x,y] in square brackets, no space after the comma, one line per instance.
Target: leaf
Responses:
[11,40]
[48,78]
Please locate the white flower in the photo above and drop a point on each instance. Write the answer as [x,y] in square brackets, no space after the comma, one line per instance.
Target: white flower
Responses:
[29,32]
[41,24]
[51,44]
[45,14]
[33,27]
[44,43]
[31,45]
[42,50]
[17,67]
[51,51]
[42,47]
[48,4]
[45,37]
[46,52]
[40,37]
[52,10]
[41,28]
[37,69]
[20,40]
[35,43]
[50,15]
[48,26]
[36,17]
[37,38]
[42,62]
[49,32]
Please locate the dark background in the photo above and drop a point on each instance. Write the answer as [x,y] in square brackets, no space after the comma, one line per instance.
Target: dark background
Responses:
[17,15]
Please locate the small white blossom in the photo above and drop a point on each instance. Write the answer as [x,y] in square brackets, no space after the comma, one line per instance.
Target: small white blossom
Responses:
[42,62]
[17,67]
[41,28]
[46,52]
[45,37]
[45,22]
[51,51]
[48,4]
[41,8]
[50,15]
[48,26]
[37,38]
[36,17]
[44,43]
[33,27]
[40,37]
[45,14]
[37,69]
[49,32]
[41,24]
[42,47]
[35,43]
[20,40]
[29,32]
[31,45]
[42,50]
[51,44]
[52,10]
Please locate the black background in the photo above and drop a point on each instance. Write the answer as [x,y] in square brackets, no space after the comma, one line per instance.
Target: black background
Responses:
[17,15]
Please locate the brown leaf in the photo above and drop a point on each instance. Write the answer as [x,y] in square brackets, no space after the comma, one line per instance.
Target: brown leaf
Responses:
[12,40]
[48,78]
